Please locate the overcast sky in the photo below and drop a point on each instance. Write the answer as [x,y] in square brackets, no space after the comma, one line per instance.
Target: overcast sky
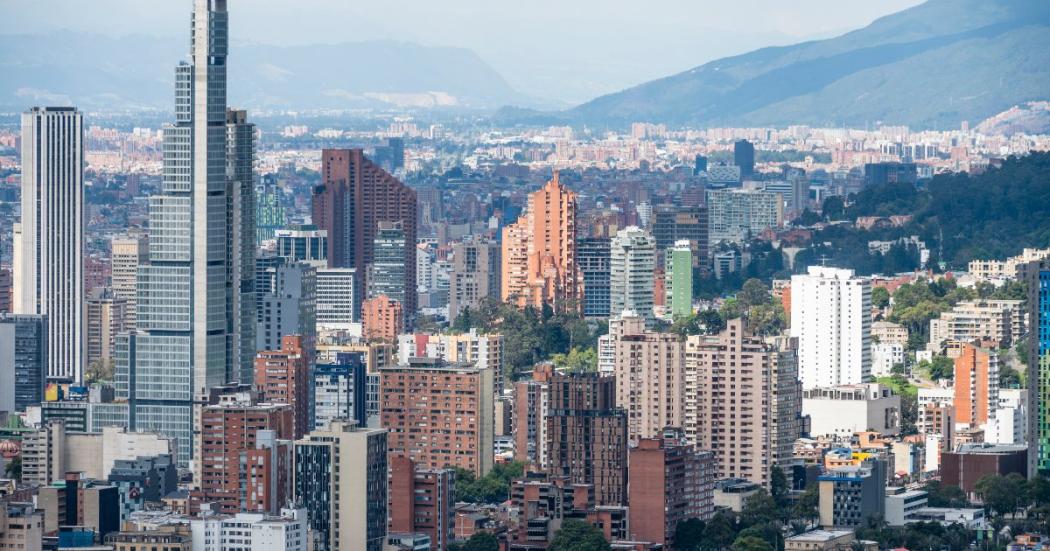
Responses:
[568,50]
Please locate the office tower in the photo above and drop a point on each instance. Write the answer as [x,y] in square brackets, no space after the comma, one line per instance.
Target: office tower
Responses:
[6,291]
[397,153]
[21,526]
[289,307]
[672,224]
[679,274]
[671,482]
[107,317]
[339,390]
[475,275]
[472,347]
[285,532]
[851,496]
[880,174]
[738,215]
[799,191]
[831,317]
[699,165]
[126,254]
[741,401]
[744,157]
[269,212]
[387,271]
[230,432]
[539,251]
[530,411]
[382,319]
[632,261]
[593,256]
[195,330]
[1038,366]
[587,435]
[49,239]
[282,377]
[302,243]
[354,196]
[440,414]
[422,501]
[23,361]
[341,480]
[976,386]
[650,376]
[336,295]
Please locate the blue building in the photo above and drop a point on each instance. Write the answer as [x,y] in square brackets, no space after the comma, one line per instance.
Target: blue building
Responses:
[339,391]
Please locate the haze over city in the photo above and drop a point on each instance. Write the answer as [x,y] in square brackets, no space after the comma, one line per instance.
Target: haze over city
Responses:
[549,276]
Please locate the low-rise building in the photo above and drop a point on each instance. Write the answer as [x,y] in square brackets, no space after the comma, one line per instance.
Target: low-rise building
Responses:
[901,505]
[827,540]
[849,496]
[845,410]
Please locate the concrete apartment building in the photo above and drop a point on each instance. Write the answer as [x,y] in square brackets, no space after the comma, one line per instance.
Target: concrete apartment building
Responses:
[831,318]
[976,386]
[531,407]
[21,527]
[736,215]
[282,377]
[742,401]
[475,275]
[50,452]
[997,322]
[650,378]
[472,347]
[439,414]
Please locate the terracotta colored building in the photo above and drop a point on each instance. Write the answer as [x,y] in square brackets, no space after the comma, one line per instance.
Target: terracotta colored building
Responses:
[587,435]
[282,377]
[670,482]
[539,251]
[439,414]
[529,416]
[422,501]
[230,440]
[976,385]
[970,463]
[382,319]
[354,196]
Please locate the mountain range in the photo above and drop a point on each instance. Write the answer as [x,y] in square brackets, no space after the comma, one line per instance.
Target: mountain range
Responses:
[930,66]
[99,72]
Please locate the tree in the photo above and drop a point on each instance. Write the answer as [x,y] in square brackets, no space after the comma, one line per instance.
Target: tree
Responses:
[939,495]
[720,531]
[753,293]
[779,486]
[1002,494]
[833,208]
[880,298]
[751,543]
[806,506]
[577,535]
[577,360]
[13,469]
[480,541]
[491,488]
[689,534]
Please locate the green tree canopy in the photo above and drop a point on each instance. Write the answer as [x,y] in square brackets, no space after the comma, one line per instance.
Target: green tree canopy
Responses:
[577,535]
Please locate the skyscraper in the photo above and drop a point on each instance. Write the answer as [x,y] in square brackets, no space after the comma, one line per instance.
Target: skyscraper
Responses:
[195,298]
[744,157]
[1038,376]
[650,377]
[679,274]
[592,254]
[831,317]
[23,361]
[387,271]
[354,196]
[539,251]
[49,240]
[631,266]
[283,377]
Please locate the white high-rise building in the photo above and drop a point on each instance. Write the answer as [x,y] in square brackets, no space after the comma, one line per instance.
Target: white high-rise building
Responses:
[831,317]
[632,261]
[336,293]
[49,240]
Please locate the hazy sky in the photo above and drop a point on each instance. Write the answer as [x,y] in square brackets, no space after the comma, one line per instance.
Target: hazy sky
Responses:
[568,50]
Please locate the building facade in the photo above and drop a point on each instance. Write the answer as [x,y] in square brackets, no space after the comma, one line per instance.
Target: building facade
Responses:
[48,242]
[632,263]
[831,318]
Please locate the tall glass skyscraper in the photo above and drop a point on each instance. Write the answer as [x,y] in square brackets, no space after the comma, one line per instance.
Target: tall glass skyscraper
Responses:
[196,299]
[1038,377]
